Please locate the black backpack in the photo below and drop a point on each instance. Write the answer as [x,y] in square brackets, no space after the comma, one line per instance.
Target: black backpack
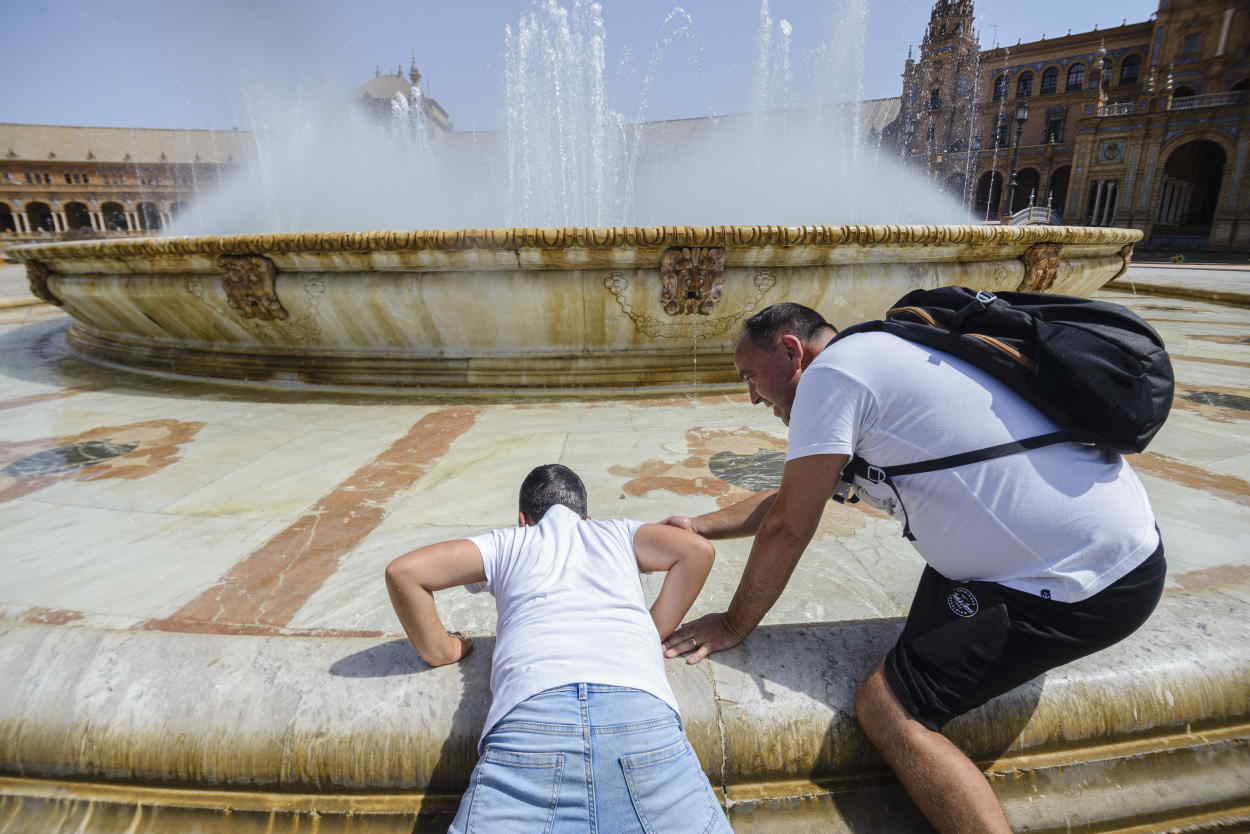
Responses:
[1095,368]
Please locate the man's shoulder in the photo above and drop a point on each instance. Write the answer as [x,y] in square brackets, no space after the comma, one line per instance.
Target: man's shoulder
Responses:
[857,346]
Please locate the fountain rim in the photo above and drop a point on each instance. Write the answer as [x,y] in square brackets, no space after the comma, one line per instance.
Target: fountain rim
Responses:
[607,237]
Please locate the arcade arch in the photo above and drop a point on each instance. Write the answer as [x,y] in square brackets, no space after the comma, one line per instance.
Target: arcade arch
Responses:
[1190,188]
[39,215]
[114,215]
[1027,181]
[1057,192]
[77,216]
[989,194]
[149,217]
[8,223]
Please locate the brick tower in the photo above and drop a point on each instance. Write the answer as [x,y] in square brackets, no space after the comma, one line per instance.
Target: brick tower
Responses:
[938,93]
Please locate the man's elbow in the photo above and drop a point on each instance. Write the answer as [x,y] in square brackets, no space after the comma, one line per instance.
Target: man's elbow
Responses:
[402,572]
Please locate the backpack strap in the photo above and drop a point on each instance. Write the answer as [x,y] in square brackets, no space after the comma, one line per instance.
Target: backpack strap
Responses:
[857,466]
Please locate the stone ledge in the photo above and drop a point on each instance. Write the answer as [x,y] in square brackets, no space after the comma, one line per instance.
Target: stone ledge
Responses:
[1240,299]
[650,237]
[1155,728]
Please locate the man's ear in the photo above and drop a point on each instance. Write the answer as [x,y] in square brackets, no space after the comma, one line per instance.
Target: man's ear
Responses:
[522,521]
[793,347]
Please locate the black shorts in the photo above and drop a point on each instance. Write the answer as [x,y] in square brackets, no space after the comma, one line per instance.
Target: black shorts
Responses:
[967,642]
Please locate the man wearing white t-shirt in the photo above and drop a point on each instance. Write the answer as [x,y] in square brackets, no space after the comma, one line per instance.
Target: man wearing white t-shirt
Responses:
[1034,559]
[583,732]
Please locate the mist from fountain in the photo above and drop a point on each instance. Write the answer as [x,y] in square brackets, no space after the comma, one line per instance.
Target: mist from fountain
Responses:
[567,156]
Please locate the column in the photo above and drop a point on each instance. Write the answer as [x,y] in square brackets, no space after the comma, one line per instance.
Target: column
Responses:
[1109,205]
[21,220]
[60,222]
[97,221]
[1100,187]
[1228,20]
[132,222]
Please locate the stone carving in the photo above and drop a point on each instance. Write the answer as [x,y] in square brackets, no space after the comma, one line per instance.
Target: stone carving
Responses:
[1126,255]
[691,279]
[1041,267]
[685,328]
[248,281]
[37,275]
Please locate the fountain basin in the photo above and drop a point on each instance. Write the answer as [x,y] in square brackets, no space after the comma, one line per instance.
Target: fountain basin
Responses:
[517,311]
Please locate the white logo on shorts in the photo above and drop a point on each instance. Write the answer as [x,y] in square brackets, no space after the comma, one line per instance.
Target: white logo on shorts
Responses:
[962,602]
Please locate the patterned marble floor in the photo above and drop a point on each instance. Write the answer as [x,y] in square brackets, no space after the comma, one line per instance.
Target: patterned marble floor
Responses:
[137,503]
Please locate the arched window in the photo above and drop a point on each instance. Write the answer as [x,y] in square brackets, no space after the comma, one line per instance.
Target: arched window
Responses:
[1024,85]
[1000,87]
[1240,86]
[1076,77]
[1050,81]
[1184,92]
[1130,69]
[935,99]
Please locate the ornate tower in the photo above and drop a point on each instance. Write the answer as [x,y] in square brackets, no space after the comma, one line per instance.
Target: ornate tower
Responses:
[939,91]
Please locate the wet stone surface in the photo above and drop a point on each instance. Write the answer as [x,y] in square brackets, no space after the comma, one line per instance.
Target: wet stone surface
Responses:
[1220,399]
[67,458]
[758,472]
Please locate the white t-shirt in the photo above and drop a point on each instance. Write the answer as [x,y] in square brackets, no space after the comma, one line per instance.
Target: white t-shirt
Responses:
[570,610]
[1061,522]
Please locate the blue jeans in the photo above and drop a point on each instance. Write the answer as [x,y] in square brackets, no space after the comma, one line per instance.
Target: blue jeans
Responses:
[589,757]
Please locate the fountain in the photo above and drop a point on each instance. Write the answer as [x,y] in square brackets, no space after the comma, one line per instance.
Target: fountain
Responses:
[604,290]
[572,274]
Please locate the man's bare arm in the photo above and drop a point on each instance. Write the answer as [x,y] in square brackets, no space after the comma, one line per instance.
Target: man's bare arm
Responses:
[411,581]
[732,522]
[783,535]
[687,558]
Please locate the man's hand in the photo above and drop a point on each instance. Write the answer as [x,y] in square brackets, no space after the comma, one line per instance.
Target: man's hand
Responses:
[697,639]
[455,649]
[680,521]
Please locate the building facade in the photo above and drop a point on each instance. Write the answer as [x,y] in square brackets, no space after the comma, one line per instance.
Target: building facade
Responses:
[81,182]
[1143,125]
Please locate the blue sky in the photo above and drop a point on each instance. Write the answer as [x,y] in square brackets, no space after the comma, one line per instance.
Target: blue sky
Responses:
[176,63]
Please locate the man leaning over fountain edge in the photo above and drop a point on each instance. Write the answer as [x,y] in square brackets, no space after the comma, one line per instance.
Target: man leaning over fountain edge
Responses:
[583,731]
[1033,560]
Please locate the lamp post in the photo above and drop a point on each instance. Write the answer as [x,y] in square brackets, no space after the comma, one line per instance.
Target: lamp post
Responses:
[1022,115]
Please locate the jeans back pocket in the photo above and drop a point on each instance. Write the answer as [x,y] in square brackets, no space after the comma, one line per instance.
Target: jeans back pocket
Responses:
[514,791]
[670,792]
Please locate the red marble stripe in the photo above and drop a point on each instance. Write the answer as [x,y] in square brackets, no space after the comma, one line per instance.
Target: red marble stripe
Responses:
[266,589]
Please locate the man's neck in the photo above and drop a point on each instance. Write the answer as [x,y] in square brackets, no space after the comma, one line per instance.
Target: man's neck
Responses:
[813,348]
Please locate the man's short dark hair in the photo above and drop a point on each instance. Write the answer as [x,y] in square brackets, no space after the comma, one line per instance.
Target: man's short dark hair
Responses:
[546,486]
[776,320]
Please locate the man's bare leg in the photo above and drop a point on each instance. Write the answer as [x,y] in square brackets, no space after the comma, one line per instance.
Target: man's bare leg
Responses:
[944,783]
